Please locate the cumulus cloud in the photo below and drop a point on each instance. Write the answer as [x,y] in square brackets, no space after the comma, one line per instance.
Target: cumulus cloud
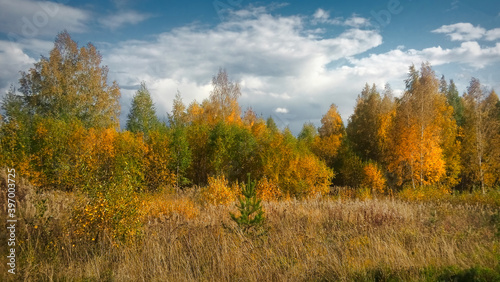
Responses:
[277,59]
[468,32]
[122,18]
[323,17]
[19,56]
[356,21]
[30,19]
[461,31]
[266,46]
[285,68]
[493,34]
[397,61]
[281,110]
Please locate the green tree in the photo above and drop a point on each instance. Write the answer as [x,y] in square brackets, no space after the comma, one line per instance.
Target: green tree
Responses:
[481,135]
[142,116]
[349,166]
[16,131]
[198,132]
[250,208]
[307,134]
[363,126]
[179,145]
[271,125]
[456,102]
[71,83]
[451,139]
[232,151]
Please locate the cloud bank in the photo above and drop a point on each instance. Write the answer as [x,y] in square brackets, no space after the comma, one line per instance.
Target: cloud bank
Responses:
[288,67]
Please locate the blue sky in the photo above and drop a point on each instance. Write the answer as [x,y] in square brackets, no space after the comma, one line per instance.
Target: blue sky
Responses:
[293,59]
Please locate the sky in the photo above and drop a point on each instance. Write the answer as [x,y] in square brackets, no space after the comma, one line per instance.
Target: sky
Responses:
[292,59]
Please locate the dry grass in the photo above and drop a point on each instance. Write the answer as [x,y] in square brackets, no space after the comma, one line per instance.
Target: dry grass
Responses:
[316,239]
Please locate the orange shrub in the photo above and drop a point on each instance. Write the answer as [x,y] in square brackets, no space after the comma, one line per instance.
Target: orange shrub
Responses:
[373,179]
[158,207]
[297,173]
[268,190]
[218,191]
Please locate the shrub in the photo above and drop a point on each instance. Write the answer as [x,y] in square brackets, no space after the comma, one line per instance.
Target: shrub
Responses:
[373,178]
[157,206]
[268,190]
[218,191]
[112,211]
[424,193]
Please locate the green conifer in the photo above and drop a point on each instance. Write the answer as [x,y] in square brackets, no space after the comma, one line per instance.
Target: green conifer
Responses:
[251,213]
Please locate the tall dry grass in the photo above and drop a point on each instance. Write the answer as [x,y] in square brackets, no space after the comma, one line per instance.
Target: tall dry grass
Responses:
[316,239]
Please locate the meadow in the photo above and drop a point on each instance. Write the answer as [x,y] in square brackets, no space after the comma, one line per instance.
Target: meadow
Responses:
[329,238]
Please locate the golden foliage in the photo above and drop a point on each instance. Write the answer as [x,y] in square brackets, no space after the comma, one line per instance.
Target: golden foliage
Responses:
[373,178]
[71,83]
[326,145]
[158,159]
[164,206]
[417,142]
[425,193]
[297,173]
[113,213]
[268,190]
[219,192]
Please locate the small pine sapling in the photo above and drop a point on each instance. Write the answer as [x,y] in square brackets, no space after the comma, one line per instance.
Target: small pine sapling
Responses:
[251,213]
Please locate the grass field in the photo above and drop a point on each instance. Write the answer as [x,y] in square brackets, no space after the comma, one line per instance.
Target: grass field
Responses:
[322,239]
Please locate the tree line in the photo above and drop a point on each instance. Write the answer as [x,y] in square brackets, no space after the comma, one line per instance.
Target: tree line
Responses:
[60,130]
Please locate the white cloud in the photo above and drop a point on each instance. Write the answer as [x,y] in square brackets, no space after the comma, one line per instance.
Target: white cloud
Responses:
[394,64]
[323,17]
[493,34]
[19,56]
[267,46]
[281,110]
[13,60]
[467,32]
[30,19]
[461,31]
[277,59]
[122,18]
[356,21]
[281,64]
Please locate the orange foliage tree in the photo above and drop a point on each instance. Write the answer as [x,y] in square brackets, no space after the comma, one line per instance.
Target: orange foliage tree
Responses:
[419,130]
[327,143]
